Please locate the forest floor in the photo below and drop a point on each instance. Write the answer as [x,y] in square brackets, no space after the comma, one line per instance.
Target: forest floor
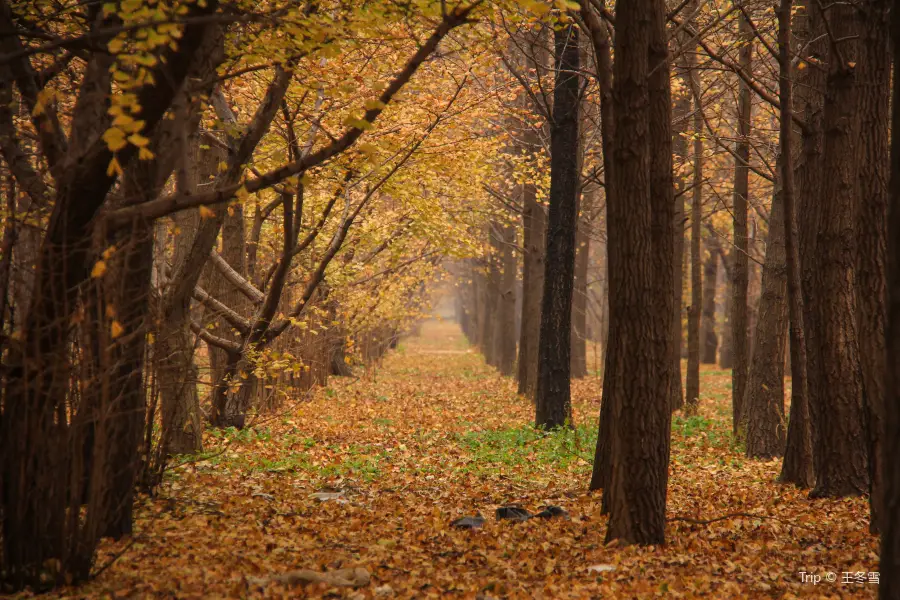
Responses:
[433,434]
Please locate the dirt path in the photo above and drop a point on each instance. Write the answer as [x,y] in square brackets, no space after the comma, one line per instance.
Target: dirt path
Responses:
[433,434]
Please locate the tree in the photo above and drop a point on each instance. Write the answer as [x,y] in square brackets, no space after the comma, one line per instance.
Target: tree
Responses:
[740,347]
[889,588]
[797,467]
[692,381]
[638,374]
[841,446]
[553,404]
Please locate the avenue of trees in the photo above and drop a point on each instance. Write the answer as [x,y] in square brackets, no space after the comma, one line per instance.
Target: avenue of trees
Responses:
[211,207]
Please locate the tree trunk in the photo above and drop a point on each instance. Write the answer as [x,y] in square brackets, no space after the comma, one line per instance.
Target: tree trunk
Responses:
[579,303]
[889,588]
[692,380]
[874,166]
[763,407]
[797,467]
[534,232]
[740,347]
[681,114]
[506,317]
[810,99]
[553,403]
[842,465]
[638,377]
[708,338]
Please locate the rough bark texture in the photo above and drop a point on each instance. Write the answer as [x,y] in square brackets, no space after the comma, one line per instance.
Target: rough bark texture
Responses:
[506,312]
[797,467]
[579,303]
[639,373]
[740,345]
[810,100]
[553,403]
[534,234]
[692,379]
[708,339]
[763,406]
[874,165]
[889,588]
[681,114]
[842,465]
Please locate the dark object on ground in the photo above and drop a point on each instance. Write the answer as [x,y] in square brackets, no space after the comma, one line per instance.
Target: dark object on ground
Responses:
[476,522]
[552,512]
[513,513]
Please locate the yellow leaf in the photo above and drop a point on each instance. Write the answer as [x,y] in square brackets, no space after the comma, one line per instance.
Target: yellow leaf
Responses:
[138,140]
[116,329]
[223,166]
[145,154]
[98,270]
[206,212]
[114,168]
[114,138]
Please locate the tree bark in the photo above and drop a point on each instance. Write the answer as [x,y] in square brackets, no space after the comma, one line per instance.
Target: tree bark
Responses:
[579,303]
[842,465]
[506,317]
[639,375]
[708,338]
[534,228]
[889,588]
[874,74]
[797,467]
[692,380]
[553,403]
[740,346]
[763,407]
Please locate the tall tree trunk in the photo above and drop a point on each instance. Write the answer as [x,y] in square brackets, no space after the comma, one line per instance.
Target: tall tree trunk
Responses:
[708,338]
[506,317]
[874,74]
[553,403]
[692,380]
[579,303]
[532,290]
[797,467]
[842,465]
[726,355]
[810,99]
[176,372]
[763,407]
[639,373]
[740,347]
[681,115]
[889,588]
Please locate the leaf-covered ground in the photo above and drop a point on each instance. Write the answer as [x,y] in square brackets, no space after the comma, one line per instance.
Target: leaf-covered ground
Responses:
[432,435]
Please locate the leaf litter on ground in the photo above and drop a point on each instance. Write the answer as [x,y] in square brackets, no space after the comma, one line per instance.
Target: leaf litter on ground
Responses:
[428,437]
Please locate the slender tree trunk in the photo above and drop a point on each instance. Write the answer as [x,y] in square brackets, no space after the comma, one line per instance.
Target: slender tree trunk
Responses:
[708,338]
[810,99]
[532,293]
[553,403]
[763,407]
[579,303]
[740,346]
[692,381]
[681,114]
[726,354]
[797,467]
[506,319]
[842,466]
